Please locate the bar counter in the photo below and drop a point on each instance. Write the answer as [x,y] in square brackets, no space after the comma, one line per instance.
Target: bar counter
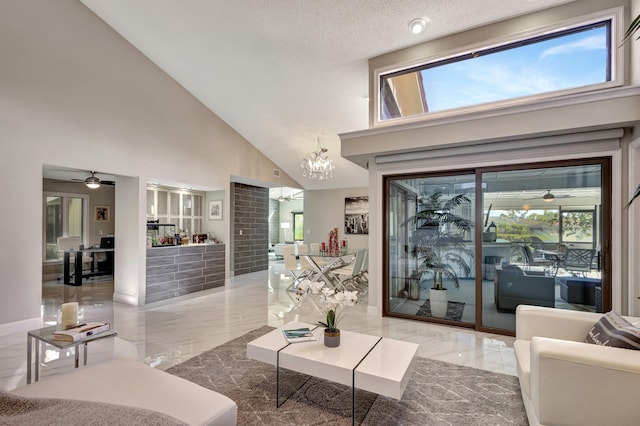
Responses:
[174,271]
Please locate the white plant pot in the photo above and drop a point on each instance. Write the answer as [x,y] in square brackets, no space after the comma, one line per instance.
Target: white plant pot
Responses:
[438,300]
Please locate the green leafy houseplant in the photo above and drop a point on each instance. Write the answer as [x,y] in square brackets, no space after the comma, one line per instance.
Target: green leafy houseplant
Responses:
[633,28]
[440,249]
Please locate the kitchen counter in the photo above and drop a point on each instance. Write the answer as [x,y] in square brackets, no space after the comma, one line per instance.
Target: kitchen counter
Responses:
[174,271]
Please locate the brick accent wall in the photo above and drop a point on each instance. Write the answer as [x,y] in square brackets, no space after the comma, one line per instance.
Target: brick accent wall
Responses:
[274,223]
[251,217]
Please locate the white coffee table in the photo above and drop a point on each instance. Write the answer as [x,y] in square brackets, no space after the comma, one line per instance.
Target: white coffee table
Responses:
[371,363]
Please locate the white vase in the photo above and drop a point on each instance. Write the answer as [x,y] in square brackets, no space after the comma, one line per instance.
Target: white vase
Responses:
[438,301]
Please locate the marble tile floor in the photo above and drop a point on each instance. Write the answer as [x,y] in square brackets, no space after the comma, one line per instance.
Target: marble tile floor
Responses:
[165,333]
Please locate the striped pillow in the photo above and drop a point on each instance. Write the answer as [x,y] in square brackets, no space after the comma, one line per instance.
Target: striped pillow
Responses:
[613,330]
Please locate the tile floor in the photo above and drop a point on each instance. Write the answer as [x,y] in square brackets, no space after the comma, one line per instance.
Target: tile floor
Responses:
[165,333]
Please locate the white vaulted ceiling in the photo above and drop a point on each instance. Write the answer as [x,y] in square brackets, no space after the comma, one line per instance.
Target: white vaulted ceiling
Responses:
[282,72]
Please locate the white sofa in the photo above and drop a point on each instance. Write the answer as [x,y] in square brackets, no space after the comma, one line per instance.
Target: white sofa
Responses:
[567,382]
[133,384]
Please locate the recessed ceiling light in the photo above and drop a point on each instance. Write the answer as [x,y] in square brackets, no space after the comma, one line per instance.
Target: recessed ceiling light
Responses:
[416,26]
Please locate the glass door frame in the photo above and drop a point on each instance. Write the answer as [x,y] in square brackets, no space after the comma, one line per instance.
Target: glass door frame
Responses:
[605,213]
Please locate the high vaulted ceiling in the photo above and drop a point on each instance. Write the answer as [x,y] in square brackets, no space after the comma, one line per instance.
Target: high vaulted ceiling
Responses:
[284,72]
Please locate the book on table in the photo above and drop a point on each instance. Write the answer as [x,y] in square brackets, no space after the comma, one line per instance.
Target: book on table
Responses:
[294,335]
[81,331]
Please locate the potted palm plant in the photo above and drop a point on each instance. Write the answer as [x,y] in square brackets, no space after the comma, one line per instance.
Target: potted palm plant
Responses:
[439,246]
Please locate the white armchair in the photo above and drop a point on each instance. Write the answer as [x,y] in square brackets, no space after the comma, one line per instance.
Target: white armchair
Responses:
[567,382]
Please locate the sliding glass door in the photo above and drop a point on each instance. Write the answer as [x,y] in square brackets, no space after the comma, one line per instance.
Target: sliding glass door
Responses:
[431,247]
[468,247]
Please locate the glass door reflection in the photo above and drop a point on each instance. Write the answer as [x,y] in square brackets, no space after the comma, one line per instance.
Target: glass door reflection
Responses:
[430,234]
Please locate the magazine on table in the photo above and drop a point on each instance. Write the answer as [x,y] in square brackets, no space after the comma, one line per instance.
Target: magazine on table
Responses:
[80,332]
[294,335]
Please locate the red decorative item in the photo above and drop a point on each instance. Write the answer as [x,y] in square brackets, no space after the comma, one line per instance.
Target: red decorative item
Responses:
[334,242]
[344,243]
[324,247]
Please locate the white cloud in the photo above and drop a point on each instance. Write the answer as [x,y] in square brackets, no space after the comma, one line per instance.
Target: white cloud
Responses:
[596,42]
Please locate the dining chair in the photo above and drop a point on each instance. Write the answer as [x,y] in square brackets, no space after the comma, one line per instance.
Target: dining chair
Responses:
[364,273]
[291,265]
[305,265]
[350,273]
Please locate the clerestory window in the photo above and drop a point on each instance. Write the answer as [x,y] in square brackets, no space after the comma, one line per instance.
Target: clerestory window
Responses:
[557,61]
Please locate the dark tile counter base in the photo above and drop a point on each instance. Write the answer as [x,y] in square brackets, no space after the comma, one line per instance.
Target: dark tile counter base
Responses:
[176,271]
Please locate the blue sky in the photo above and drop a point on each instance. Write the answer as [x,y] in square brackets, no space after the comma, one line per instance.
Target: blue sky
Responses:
[561,63]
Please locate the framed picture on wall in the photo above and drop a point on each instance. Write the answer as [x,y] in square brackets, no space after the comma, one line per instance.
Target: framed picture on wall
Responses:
[102,214]
[215,209]
[356,215]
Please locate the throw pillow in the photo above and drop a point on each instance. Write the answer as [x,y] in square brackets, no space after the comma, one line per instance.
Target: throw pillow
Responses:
[613,330]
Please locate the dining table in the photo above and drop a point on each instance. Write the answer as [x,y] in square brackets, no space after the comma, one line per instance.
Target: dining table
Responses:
[555,258]
[323,263]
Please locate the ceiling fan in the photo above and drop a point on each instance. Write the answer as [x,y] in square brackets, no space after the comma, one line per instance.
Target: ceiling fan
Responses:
[549,197]
[94,182]
[297,196]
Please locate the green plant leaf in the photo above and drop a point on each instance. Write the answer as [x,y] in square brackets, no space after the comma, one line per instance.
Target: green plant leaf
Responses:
[634,26]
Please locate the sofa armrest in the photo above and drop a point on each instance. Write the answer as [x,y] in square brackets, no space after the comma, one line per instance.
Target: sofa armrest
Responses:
[581,383]
[555,323]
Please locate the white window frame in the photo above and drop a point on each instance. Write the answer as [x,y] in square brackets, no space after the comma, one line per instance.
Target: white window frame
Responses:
[616,15]
[183,193]
[65,218]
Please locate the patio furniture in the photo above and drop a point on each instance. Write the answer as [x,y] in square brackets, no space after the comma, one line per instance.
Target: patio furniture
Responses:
[578,260]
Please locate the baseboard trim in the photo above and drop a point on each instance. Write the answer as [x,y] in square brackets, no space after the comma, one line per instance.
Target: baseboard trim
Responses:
[20,326]
[127,299]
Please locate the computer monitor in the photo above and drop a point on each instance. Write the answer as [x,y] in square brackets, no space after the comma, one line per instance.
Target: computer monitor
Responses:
[107,242]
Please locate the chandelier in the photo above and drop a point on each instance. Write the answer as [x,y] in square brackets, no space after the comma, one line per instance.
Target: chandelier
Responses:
[317,164]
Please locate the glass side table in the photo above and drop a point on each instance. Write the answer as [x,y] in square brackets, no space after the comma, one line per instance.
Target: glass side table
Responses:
[45,335]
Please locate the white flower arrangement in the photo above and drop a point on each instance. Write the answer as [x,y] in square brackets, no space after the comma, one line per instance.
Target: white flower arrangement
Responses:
[332,301]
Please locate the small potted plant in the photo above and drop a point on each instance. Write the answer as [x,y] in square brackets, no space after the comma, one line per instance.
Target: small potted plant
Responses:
[333,303]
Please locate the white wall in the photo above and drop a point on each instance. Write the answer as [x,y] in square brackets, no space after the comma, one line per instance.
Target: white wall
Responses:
[75,94]
[324,210]
[216,227]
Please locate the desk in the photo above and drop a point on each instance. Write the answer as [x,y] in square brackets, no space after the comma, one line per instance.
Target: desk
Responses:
[45,335]
[78,275]
[323,264]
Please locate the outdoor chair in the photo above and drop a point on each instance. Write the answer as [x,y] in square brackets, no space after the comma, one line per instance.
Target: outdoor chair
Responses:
[578,260]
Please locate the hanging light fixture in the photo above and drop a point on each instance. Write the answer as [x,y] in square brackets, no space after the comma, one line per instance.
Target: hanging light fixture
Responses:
[317,165]
[92,181]
[281,198]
